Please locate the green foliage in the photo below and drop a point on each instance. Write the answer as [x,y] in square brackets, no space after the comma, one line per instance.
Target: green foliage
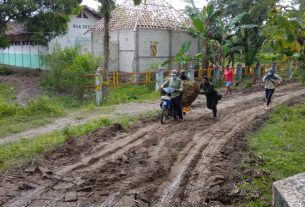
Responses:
[18,153]
[285,32]
[182,57]
[7,92]
[41,106]
[135,93]
[301,73]
[67,68]
[47,19]
[8,109]
[4,70]
[280,144]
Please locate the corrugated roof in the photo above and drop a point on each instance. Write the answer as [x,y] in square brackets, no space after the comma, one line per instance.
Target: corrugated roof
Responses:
[149,14]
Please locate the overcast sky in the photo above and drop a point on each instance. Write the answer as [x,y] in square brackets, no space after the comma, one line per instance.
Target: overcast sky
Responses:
[178,4]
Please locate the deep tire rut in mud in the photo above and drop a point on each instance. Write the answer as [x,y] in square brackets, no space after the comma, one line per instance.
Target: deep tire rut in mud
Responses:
[181,163]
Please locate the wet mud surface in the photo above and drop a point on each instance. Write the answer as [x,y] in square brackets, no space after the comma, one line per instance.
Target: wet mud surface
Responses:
[194,162]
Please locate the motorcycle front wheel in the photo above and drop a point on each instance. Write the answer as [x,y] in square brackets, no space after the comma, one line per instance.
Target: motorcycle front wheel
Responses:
[164,115]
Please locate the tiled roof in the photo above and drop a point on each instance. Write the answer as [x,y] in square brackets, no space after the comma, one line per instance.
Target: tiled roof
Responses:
[14,28]
[149,14]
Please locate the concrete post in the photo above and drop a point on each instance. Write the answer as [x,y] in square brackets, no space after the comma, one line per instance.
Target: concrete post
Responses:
[258,71]
[239,72]
[159,78]
[216,75]
[289,70]
[289,192]
[190,72]
[274,67]
[98,86]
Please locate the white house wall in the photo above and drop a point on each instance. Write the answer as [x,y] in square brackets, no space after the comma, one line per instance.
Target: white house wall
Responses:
[126,50]
[180,37]
[168,45]
[125,57]
[77,35]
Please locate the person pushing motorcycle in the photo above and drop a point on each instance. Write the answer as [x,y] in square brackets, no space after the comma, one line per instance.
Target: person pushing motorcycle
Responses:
[175,82]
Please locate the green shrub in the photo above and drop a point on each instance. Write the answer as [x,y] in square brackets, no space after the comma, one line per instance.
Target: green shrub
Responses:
[125,94]
[66,70]
[42,106]
[4,70]
[8,109]
[301,73]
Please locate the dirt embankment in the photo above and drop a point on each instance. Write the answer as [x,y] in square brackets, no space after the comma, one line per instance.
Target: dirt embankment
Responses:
[193,162]
[26,83]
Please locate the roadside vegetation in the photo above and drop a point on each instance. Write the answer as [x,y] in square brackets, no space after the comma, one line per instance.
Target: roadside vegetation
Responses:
[278,148]
[18,153]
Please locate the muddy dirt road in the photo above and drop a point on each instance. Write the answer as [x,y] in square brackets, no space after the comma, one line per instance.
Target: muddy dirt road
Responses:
[182,163]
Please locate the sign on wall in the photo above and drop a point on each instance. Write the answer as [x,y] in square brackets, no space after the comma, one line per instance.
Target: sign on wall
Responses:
[153,48]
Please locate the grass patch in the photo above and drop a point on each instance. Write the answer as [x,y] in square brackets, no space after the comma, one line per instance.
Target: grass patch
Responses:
[280,144]
[18,153]
[5,70]
[134,93]
[15,118]
[7,92]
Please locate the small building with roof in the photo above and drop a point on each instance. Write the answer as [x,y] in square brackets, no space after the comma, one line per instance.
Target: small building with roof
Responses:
[143,35]
[26,53]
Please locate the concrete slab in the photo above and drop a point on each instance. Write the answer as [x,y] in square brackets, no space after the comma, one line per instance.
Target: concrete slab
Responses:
[289,192]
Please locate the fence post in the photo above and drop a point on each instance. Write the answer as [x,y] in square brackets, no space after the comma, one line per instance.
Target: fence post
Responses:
[98,86]
[200,72]
[216,75]
[289,70]
[117,78]
[239,72]
[258,71]
[190,72]
[159,78]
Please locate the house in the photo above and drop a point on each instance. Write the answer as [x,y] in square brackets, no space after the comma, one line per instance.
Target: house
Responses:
[143,35]
[25,53]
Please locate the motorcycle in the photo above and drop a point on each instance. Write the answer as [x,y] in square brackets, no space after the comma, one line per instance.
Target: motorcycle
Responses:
[166,105]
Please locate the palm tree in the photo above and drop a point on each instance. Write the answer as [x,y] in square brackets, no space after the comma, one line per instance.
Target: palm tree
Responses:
[107,6]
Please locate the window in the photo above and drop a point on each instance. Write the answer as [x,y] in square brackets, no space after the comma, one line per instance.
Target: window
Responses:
[82,15]
[25,42]
[17,43]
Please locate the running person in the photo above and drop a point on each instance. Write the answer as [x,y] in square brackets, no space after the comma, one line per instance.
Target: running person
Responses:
[228,77]
[271,79]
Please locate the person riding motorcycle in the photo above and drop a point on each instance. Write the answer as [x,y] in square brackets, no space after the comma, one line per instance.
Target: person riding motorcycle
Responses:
[175,82]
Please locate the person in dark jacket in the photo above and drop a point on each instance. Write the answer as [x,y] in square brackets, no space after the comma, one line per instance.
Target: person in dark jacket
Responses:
[211,95]
[184,77]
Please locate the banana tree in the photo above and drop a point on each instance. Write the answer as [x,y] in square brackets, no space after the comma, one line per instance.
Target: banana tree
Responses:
[204,23]
[285,32]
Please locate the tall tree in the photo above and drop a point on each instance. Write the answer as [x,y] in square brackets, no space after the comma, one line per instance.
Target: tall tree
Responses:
[250,37]
[107,6]
[43,19]
[205,25]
